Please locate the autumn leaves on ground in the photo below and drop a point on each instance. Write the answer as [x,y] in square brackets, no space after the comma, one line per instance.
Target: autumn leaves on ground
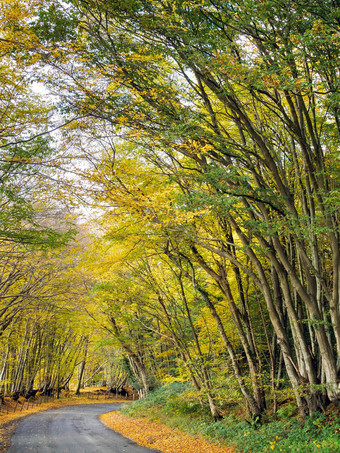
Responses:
[160,437]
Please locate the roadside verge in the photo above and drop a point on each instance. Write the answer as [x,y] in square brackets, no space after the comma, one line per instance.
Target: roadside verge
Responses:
[160,437]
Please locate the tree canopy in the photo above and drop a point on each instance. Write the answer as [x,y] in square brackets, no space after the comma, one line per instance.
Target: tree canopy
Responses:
[206,135]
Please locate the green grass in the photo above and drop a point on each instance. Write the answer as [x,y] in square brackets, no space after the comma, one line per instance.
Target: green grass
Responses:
[175,406]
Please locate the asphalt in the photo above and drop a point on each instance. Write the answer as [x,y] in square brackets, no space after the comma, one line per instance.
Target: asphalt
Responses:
[72,429]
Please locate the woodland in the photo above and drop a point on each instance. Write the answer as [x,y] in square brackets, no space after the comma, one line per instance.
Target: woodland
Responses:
[170,184]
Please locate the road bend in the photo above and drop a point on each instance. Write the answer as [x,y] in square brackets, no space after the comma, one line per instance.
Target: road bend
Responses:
[72,429]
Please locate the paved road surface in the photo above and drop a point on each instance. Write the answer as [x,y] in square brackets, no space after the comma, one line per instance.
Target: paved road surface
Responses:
[72,429]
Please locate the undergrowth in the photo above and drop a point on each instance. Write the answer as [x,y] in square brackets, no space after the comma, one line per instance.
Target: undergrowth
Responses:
[173,406]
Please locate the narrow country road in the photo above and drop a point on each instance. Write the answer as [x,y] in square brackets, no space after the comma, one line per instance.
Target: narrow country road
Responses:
[72,429]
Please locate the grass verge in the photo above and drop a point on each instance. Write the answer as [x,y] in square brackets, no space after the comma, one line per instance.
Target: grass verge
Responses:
[172,406]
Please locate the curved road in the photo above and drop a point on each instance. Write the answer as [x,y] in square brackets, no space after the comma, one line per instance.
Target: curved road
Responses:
[72,429]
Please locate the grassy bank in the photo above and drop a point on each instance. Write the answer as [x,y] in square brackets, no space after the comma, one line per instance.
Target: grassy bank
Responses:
[173,406]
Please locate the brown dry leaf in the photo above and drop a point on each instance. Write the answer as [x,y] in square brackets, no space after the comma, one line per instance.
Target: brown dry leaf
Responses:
[160,437]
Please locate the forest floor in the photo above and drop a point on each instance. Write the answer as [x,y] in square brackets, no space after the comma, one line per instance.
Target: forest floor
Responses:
[155,435]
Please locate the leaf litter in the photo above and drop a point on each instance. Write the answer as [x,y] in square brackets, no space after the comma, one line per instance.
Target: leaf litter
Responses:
[160,437]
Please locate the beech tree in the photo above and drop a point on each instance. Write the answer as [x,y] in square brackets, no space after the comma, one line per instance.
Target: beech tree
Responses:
[219,127]
[247,93]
